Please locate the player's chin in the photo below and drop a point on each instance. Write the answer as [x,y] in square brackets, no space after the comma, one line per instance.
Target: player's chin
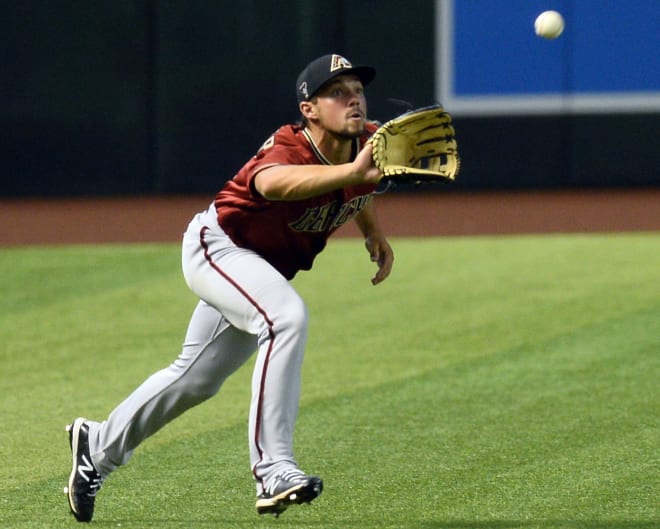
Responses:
[354,128]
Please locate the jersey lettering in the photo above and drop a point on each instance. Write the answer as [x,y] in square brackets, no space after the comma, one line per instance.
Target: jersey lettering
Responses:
[350,209]
[329,216]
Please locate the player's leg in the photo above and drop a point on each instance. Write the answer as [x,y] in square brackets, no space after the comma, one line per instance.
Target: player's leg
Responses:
[263,302]
[212,350]
[256,300]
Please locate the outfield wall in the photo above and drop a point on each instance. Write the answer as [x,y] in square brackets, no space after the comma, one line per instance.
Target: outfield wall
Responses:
[148,96]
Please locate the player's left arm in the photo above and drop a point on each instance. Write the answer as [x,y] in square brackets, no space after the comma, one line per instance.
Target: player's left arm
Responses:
[379,249]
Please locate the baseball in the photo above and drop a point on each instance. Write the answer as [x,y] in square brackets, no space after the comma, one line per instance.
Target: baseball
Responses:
[549,24]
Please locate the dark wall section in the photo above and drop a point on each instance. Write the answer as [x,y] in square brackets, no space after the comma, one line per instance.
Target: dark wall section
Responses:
[73,110]
[226,76]
[147,96]
[539,152]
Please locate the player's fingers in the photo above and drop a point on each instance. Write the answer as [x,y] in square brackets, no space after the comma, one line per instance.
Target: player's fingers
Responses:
[384,267]
[380,276]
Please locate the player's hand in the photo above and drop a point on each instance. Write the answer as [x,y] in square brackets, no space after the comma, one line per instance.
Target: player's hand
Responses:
[381,253]
[364,165]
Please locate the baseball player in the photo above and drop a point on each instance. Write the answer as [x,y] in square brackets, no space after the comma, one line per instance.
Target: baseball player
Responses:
[266,224]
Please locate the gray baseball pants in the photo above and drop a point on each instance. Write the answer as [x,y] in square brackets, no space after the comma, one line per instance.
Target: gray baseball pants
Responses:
[245,305]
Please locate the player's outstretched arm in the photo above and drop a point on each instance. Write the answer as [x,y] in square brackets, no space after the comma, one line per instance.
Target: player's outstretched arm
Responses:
[298,182]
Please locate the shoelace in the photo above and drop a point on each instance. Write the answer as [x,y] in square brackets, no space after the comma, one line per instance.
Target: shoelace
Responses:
[292,475]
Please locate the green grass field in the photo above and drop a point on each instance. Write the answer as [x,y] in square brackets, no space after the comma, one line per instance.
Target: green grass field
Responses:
[502,382]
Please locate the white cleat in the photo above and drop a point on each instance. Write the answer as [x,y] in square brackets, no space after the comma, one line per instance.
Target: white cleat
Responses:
[288,488]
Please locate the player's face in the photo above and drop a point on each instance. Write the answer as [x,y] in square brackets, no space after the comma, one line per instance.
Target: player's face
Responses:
[342,106]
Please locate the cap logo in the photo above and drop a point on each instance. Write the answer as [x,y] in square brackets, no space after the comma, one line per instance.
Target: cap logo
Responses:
[339,63]
[303,89]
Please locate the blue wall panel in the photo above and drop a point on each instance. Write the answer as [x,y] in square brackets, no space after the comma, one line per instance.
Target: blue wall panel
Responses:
[491,61]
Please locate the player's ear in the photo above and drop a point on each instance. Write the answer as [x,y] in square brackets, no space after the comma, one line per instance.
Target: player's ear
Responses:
[308,110]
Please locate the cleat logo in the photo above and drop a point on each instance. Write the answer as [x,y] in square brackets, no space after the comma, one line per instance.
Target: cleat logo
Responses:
[85,467]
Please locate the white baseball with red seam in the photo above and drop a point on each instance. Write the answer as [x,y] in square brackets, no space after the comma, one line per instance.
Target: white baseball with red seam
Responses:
[549,24]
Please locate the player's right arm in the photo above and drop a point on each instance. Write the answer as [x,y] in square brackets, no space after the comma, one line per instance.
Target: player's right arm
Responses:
[298,182]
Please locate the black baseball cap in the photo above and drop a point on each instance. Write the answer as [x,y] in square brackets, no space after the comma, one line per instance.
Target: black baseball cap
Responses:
[321,70]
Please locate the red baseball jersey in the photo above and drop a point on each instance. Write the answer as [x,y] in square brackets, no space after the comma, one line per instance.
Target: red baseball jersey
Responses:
[288,234]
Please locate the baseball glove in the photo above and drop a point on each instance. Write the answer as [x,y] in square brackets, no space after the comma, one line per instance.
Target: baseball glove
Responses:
[416,147]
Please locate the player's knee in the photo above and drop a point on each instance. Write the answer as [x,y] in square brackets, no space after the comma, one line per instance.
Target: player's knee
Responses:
[293,316]
[290,317]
